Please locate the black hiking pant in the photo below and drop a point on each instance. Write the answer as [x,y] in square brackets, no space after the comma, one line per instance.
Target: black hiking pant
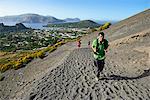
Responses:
[100,65]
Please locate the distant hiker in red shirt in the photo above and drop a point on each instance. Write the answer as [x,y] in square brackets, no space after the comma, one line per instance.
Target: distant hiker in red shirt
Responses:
[79,43]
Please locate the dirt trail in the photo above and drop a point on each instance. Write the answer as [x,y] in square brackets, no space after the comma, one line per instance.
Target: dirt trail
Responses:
[75,80]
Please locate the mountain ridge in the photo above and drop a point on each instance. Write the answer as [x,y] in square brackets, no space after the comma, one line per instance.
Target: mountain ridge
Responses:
[80,24]
[35,18]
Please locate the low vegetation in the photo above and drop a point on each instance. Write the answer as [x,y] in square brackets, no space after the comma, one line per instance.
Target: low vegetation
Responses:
[105,26]
[102,27]
[18,60]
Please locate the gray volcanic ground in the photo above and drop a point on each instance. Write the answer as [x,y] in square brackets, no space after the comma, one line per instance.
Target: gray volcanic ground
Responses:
[69,73]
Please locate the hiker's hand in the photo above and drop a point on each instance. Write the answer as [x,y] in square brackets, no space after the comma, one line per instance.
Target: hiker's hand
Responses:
[106,50]
[94,49]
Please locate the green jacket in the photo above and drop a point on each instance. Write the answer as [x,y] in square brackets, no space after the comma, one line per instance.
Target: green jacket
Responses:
[101,47]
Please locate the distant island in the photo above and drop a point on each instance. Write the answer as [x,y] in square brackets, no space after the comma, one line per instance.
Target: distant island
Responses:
[35,18]
[81,24]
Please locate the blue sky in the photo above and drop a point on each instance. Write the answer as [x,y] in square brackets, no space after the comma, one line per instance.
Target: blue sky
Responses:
[83,9]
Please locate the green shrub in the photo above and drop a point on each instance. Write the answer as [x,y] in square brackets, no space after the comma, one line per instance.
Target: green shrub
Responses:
[41,54]
[27,59]
[47,49]
[6,66]
[106,25]
[100,28]
[59,43]
[18,64]
[52,49]
[34,54]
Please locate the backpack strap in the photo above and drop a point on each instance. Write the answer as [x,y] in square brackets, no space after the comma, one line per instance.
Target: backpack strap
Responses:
[105,44]
[97,44]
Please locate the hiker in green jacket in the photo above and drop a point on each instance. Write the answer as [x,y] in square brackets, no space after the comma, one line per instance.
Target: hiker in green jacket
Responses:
[99,47]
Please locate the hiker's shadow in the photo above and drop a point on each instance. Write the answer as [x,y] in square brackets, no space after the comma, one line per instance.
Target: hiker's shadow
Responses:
[119,77]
